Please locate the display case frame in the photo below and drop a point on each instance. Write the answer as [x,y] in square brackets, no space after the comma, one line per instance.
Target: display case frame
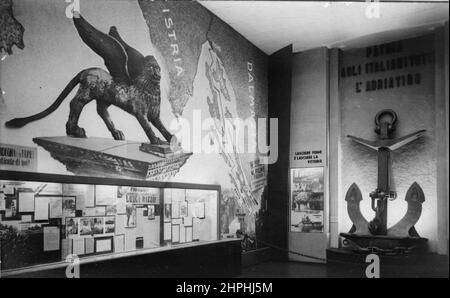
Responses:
[87,180]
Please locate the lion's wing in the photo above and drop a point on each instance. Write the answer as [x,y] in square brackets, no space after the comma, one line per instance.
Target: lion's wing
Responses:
[107,47]
[135,61]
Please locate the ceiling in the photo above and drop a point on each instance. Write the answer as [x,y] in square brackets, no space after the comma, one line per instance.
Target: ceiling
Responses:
[272,25]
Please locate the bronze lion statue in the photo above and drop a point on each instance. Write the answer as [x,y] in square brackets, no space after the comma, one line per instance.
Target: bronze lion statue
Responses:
[132,84]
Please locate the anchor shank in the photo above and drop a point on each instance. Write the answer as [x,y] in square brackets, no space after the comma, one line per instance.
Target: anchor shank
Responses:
[383,187]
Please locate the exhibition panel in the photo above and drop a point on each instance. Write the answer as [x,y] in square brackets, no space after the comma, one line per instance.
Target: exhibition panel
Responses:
[54,218]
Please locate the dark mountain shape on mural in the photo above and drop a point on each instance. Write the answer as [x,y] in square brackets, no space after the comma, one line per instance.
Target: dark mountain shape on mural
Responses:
[177,29]
[193,25]
[247,80]
[11,30]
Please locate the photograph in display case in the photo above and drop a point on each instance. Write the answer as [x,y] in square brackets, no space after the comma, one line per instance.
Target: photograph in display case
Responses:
[91,226]
[111,209]
[110,224]
[69,206]
[151,211]
[65,221]
[85,226]
[183,209]
[131,217]
[167,212]
[307,200]
[11,209]
[71,226]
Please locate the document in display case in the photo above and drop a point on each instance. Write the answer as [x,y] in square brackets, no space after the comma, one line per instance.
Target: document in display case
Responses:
[47,217]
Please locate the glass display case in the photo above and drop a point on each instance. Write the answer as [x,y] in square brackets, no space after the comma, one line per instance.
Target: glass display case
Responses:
[45,218]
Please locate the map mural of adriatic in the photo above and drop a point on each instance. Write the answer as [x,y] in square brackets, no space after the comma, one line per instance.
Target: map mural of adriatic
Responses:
[190,37]
[206,67]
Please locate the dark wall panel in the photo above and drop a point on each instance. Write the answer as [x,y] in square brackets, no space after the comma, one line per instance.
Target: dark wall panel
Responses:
[280,77]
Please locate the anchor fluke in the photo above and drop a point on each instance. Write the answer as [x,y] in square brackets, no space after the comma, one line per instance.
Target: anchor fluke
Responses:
[405,227]
[353,198]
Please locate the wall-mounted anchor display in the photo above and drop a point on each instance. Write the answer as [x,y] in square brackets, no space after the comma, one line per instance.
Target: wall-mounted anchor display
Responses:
[375,235]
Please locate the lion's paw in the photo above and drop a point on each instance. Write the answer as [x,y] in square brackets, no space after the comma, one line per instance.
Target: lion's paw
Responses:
[76,132]
[118,135]
[158,141]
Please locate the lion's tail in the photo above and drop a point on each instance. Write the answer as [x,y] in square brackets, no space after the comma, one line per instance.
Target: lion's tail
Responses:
[19,122]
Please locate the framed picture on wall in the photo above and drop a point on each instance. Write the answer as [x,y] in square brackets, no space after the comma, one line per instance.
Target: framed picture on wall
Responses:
[307,200]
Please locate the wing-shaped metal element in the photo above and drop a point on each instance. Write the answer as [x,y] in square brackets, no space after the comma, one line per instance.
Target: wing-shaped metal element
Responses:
[353,197]
[108,47]
[391,144]
[415,197]
[400,142]
[371,144]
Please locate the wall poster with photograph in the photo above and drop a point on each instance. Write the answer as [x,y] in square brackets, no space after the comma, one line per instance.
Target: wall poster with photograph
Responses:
[91,226]
[167,212]
[307,200]
[151,211]
[11,209]
[184,209]
[131,218]
[69,206]
[71,226]
[110,224]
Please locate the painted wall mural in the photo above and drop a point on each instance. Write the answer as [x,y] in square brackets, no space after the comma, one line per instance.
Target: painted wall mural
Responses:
[151,67]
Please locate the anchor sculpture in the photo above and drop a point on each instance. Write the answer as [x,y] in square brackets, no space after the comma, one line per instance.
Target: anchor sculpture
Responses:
[375,235]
